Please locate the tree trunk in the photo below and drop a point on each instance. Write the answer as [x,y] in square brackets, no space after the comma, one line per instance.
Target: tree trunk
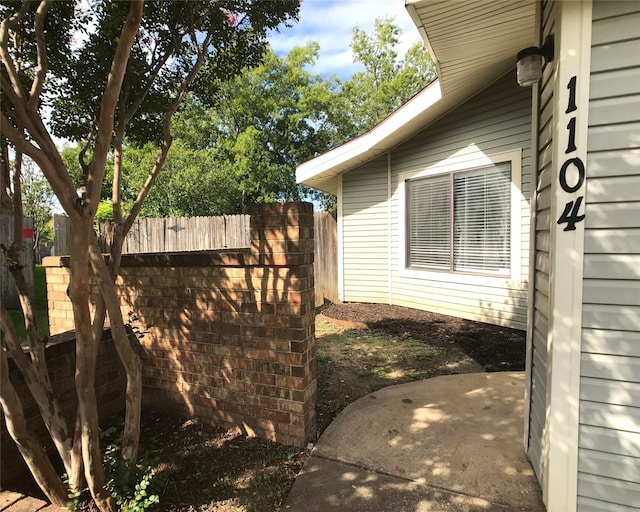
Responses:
[31,451]
[128,356]
[36,373]
[39,385]
[86,348]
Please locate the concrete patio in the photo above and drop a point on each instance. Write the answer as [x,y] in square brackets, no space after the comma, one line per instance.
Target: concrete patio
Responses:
[451,443]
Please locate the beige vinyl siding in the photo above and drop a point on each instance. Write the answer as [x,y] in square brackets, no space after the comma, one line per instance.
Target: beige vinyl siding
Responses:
[609,446]
[495,121]
[541,281]
[365,235]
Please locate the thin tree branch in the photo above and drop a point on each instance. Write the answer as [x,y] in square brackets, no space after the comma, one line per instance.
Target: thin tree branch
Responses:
[168,138]
[140,98]
[5,55]
[116,193]
[32,452]
[37,379]
[63,188]
[109,101]
[17,200]
[81,155]
[18,104]
[129,358]
[43,63]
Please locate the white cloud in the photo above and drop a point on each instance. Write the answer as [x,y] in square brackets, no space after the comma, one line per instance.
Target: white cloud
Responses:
[331,23]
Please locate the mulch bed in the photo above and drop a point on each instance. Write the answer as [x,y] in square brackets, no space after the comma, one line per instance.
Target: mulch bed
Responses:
[494,347]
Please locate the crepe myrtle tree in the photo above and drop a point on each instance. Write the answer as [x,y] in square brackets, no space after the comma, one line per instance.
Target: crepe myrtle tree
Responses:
[101,73]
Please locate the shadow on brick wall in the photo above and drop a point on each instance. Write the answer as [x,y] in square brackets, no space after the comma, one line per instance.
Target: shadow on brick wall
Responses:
[228,335]
[60,355]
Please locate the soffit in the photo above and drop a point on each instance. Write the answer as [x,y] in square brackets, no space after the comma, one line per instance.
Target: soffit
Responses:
[473,40]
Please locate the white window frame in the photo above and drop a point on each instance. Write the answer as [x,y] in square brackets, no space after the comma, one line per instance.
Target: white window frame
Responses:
[458,164]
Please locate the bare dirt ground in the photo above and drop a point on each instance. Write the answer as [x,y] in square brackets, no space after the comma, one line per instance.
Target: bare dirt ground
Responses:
[207,469]
[395,345]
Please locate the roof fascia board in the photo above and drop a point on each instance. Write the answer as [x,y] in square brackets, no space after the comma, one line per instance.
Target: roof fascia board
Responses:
[413,12]
[379,139]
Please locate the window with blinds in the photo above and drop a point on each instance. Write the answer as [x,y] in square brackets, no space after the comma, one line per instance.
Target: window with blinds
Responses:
[461,222]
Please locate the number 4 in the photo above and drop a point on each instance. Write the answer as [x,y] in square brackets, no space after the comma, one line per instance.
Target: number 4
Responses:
[570,214]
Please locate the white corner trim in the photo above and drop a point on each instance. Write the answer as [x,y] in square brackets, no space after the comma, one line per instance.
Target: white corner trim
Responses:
[459,162]
[389,232]
[531,279]
[573,51]
[340,201]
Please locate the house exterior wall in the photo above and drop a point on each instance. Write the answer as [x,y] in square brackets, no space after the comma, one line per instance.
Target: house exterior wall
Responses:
[539,313]
[364,236]
[609,429]
[496,121]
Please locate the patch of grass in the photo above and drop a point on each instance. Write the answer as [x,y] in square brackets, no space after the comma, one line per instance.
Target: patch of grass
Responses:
[42,314]
[380,370]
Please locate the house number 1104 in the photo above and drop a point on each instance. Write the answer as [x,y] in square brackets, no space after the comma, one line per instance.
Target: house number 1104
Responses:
[570,216]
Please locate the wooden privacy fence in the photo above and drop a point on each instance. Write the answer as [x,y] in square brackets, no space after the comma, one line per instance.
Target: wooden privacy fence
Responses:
[177,234]
[325,243]
[8,292]
[171,234]
[61,235]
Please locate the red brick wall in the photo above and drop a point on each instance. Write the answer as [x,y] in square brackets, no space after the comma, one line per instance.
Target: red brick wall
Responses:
[229,335]
[60,354]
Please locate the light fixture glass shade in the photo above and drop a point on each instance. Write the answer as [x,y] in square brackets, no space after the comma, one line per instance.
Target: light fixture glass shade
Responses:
[529,67]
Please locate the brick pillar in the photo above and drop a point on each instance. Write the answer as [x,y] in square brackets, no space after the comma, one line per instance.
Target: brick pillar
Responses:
[282,242]
[58,302]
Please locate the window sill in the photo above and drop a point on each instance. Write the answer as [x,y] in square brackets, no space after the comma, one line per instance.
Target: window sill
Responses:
[473,279]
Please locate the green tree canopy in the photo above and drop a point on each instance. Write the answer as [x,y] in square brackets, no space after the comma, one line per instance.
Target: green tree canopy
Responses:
[238,140]
[387,81]
[37,201]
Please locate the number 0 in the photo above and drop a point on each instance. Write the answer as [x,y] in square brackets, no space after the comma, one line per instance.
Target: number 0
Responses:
[563,175]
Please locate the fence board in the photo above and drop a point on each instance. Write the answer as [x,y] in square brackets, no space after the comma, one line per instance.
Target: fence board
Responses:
[61,234]
[326,257]
[176,234]
[8,292]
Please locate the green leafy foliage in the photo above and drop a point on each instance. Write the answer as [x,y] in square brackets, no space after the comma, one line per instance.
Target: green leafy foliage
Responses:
[238,141]
[104,212]
[263,122]
[135,488]
[387,81]
[161,57]
[192,182]
[37,201]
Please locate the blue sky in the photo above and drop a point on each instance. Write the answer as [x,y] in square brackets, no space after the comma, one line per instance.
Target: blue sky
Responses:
[331,22]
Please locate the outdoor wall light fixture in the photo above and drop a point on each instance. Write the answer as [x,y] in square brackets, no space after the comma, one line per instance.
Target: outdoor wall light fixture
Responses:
[529,65]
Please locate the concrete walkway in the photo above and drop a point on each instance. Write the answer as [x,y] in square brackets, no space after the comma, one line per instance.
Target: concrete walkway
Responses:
[451,443]
[15,502]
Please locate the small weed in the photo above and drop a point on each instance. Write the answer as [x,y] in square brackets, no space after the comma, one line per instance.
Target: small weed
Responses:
[134,488]
[264,477]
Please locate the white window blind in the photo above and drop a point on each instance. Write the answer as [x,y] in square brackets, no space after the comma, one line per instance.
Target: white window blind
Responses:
[478,237]
[430,223]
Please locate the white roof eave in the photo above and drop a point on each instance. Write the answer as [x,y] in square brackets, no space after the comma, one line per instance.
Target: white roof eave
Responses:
[404,122]
[454,31]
